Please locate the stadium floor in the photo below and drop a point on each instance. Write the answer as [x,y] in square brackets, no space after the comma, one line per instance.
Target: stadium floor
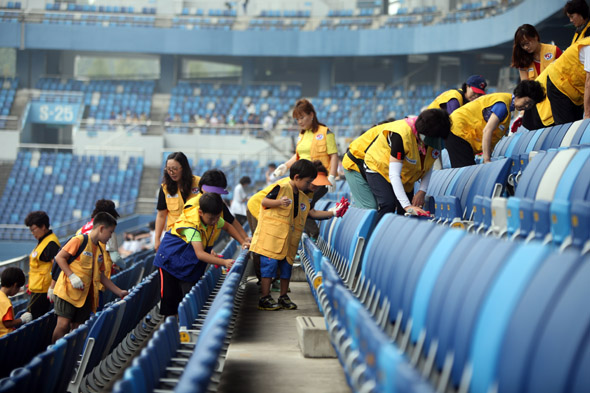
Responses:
[264,354]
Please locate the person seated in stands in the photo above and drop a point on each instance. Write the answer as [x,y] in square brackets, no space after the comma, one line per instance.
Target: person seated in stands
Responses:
[187,249]
[11,280]
[110,268]
[403,153]
[282,215]
[269,174]
[130,245]
[479,125]
[82,271]
[474,87]
[40,261]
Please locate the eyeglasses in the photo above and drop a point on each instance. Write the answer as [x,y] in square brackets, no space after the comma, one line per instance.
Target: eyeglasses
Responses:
[173,169]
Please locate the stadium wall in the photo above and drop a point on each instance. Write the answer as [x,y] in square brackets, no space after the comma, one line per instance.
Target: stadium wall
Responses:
[437,38]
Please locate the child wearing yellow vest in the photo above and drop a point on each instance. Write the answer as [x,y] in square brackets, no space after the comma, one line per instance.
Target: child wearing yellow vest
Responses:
[11,280]
[181,265]
[281,220]
[76,290]
[40,261]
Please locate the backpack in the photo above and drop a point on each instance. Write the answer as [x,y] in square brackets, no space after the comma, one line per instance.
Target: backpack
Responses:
[55,269]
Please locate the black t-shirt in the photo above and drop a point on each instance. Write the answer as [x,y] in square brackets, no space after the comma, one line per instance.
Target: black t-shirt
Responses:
[274,193]
[396,145]
[50,250]
[227,216]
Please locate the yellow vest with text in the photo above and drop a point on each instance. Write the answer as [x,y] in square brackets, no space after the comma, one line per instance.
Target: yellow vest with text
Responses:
[39,271]
[108,262]
[255,202]
[278,233]
[377,157]
[581,34]
[319,146]
[548,53]
[359,146]
[468,123]
[5,305]
[445,97]
[190,219]
[87,268]
[544,107]
[567,73]
[175,203]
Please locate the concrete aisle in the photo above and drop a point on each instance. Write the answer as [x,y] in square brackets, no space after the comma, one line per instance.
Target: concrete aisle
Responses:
[264,354]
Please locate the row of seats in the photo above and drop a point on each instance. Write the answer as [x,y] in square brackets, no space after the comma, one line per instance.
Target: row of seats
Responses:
[192,23]
[8,87]
[435,307]
[285,13]
[188,361]
[346,24]
[211,12]
[66,186]
[96,8]
[37,366]
[104,20]
[276,24]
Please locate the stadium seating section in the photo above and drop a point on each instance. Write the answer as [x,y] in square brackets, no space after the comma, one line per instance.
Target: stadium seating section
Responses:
[8,88]
[66,186]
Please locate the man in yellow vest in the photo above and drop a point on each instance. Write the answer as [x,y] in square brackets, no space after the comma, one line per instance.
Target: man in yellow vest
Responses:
[400,157]
[40,262]
[76,290]
[480,124]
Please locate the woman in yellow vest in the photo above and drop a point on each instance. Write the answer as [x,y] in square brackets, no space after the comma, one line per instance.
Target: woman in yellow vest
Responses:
[316,142]
[40,261]
[354,166]
[450,100]
[178,187]
[579,14]
[531,58]
[479,125]
[399,157]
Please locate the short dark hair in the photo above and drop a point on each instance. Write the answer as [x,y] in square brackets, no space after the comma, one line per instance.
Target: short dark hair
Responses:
[434,123]
[104,218]
[11,276]
[38,218]
[532,89]
[245,180]
[105,205]
[303,168]
[211,203]
[272,165]
[213,177]
[577,7]
[320,167]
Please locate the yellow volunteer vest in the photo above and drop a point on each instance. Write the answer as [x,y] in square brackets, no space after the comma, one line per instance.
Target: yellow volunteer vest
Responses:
[87,267]
[359,146]
[581,34]
[548,53]
[440,102]
[175,203]
[544,107]
[468,123]
[39,271]
[377,157]
[567,73]
[278,234]
[190,219]
[5,305]
[108,262]
[319,146]
[255,202]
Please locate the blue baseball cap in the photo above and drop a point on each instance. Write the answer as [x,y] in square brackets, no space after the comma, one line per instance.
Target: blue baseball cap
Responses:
[477,83]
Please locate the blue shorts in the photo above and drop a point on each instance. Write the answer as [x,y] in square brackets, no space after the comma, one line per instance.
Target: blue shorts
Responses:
[268,267]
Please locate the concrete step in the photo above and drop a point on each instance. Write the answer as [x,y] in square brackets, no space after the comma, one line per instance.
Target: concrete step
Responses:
[314,340]
[148,191]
